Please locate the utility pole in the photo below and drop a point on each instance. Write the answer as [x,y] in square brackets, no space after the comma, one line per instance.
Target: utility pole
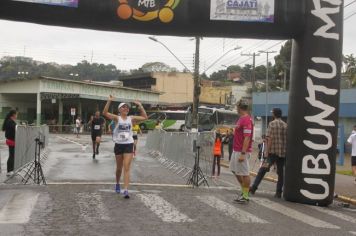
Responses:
[253,77]
[267,66]
[91,56]
[196,90]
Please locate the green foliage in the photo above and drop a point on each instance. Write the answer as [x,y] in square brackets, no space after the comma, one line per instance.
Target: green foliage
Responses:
[350,71]
[156,67]
[11,66]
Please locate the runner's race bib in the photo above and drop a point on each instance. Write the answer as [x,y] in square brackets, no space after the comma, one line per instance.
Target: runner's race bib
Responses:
[134,132]
[124,136]
[97,127]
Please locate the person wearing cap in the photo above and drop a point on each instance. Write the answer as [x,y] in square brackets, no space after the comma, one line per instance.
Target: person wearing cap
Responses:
[96,123]
[242,148]
[275,151]
[123,139]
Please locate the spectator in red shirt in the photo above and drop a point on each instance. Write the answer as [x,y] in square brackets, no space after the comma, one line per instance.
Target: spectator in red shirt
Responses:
[242,147]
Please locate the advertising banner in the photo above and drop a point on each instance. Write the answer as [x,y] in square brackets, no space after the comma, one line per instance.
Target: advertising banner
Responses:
[242,10]
[66,3]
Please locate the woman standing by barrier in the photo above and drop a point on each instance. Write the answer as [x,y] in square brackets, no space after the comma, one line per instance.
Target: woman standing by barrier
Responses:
[9,126]
[217,154]
[124,143]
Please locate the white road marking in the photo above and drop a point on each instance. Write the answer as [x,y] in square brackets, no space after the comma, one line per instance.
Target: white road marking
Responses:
[19,208]
[113,191]
[352,232]
[352,210]
[163,209]
[91,207]
[294,214]
[84,146]
[335,214]
[229,210]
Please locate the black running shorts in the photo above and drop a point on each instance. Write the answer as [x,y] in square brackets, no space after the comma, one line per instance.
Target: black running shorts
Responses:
[94,135]
[120,149]
[353,160]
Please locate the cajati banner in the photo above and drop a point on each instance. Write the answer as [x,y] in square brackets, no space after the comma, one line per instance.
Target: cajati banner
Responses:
[243,10]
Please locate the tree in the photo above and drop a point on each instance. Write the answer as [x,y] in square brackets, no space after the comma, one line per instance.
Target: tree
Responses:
[220,75]
[281,68]
[157,67]
[11,66]
[350,68]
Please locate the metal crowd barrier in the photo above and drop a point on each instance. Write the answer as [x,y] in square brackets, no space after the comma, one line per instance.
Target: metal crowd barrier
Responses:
[26,144]
[175,150]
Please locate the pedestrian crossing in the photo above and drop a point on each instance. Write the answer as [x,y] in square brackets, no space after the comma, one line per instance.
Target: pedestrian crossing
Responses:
[18,208]
[230,210]
[94,207]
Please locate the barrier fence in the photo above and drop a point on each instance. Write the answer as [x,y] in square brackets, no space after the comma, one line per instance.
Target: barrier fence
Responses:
[25,141]
[175,150]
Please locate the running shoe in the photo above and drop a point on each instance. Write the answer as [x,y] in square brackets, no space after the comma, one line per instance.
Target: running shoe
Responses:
[117,188]
[126,194]
[9,173]
[242,200]
[252,190]
[94,156]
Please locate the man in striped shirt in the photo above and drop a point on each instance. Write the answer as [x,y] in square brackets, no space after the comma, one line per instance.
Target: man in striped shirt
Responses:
[275,151]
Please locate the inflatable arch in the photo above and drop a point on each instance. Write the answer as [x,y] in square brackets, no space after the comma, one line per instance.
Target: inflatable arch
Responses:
[316,27]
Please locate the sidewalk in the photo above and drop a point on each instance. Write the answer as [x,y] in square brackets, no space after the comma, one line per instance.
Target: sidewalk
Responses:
[344,184]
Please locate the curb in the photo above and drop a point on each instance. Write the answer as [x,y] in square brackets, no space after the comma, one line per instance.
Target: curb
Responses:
[341,198]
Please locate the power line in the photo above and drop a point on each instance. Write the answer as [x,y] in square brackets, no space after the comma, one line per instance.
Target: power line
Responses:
[349,16]
[350,3]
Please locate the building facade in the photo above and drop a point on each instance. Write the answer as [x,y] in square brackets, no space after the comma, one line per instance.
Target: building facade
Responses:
[175,88]
[347,112]
[41,99]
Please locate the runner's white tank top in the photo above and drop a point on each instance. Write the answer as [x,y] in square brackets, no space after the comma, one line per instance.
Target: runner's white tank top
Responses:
[123,131]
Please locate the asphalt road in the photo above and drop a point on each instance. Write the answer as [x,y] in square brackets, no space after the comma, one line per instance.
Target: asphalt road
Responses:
[80,200]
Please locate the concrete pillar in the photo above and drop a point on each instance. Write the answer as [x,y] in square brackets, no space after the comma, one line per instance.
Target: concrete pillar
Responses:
[38,109]
[80,109]
[60,112]
[1,105]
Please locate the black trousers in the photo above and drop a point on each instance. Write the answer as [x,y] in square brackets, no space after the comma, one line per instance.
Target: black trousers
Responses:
[11,159]
[216,161]
[280,161]
[230,152]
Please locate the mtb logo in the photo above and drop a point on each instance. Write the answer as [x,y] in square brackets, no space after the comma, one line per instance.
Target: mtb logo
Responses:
[147,10]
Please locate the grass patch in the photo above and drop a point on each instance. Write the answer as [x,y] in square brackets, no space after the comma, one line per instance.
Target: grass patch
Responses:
[344,172]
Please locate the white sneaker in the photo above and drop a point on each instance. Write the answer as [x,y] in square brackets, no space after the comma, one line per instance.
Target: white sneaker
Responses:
[9,173]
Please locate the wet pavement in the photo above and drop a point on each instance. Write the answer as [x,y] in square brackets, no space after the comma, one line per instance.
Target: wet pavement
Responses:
[79,200]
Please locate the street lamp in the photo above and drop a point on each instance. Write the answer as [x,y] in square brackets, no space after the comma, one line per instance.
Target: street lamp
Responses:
[157,41]
[217,60]
[266,111]
[74,75]
[23,73]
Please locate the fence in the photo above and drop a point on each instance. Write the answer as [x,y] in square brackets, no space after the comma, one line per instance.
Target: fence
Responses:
[175,150]
[26,144]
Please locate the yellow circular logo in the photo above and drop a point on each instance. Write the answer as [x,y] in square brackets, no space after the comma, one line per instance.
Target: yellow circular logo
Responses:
[147,10]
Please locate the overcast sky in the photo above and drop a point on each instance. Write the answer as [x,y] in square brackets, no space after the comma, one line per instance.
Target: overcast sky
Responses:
[130,51]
